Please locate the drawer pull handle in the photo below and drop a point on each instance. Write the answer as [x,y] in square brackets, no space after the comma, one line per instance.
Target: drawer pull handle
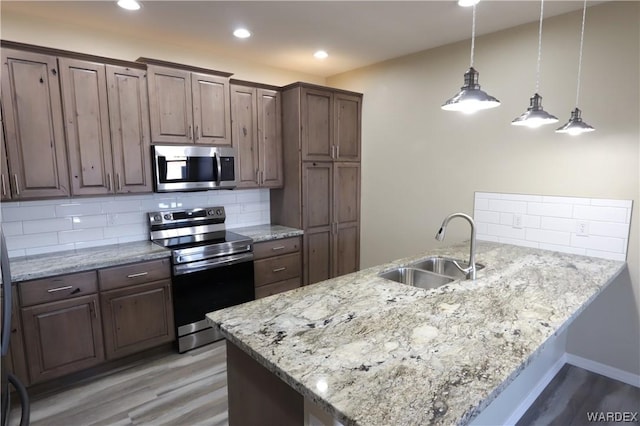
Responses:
[139,274]
[279,269]
[53,290]
[278,248]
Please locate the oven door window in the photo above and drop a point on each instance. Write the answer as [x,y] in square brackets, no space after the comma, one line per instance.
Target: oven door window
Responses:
[176,169]
[198,293]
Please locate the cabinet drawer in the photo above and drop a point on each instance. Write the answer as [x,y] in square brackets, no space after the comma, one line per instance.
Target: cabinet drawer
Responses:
[277,268]
[276,248]
[57,288]
[278,287]
[137,273]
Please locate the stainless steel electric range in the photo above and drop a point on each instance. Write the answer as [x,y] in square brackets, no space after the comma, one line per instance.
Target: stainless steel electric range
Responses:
[212,268]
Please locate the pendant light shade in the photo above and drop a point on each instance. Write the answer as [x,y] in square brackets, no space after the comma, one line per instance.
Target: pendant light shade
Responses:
[575,126]
[534,116]
[471,98]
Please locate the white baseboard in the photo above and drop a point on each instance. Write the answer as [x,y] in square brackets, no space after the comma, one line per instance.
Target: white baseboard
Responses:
[535,391]
[603,369]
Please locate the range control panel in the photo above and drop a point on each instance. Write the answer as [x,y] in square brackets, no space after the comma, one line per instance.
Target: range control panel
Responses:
[209,214]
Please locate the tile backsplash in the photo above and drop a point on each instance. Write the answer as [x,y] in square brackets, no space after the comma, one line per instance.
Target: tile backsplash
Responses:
[588,226]
[36,227]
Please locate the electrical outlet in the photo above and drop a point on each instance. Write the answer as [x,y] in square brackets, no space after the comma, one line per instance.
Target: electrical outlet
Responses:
[582,228]
[517,221]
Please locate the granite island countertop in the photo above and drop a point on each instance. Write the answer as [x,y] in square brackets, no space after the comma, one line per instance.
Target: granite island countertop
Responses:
[70,261]
[375,352]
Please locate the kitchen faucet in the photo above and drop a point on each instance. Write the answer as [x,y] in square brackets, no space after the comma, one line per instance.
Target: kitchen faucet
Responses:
[471,270]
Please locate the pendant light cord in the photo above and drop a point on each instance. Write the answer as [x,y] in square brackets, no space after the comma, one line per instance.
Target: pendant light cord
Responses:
[539,46]
[584,14]
[473,34]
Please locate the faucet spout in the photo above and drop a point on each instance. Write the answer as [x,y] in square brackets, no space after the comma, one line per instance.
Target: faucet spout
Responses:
[471,269]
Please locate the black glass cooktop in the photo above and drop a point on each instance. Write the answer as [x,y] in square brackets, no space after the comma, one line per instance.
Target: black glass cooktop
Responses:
[198,240]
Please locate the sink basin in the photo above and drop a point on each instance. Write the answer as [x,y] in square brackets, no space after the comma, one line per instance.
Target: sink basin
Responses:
[444,266]
[416,277]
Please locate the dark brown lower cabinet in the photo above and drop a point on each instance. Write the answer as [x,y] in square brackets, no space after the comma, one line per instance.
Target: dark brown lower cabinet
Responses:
[137,318]
[277,266]
[62,337]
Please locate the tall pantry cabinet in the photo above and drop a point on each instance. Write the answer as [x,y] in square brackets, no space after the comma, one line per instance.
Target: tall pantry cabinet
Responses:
[321,193]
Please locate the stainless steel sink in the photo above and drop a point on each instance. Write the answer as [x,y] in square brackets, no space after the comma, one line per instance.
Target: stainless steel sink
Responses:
[416,277]
[444,266]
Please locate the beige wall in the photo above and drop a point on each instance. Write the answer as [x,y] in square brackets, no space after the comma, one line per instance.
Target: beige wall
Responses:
[29,27]
[421,163]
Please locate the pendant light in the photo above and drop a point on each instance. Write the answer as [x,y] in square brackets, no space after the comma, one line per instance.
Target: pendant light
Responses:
[535,116]
[575,125]
[470,98]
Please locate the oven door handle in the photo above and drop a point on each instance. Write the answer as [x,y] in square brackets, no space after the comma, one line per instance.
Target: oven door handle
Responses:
[187,268]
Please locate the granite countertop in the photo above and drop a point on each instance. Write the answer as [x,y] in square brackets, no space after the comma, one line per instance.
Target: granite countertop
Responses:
[260,233]
[375,352]
[70,261]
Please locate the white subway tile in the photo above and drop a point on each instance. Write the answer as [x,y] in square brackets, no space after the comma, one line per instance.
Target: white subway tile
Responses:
[46,225]
[483,216]
[507,206]
[522,197]
[563,249]
[529,221]
[614,245]
[484,237]
[12,228]
[265,217]
[117,231]
[162,202]
[481,204]
[548,237]
[611,203]
[566,200]
[251,207]
[128,218]
[608,229]
[223,198]
[550,210]
[31,241]
[49,249]
[607,255]
[122,206]
[628,220]
[521,243]
[248,196]
[481,227]
[605,214]
[232,210]
[506,219]
[93,221]
[265,195]
[133,238]
[14,214]
[78,209]
[558,224]
[16,253]
[506,231]
[252,218]
[36,203]
[81,235]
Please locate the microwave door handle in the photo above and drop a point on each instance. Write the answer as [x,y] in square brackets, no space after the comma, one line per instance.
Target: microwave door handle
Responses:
[219,165]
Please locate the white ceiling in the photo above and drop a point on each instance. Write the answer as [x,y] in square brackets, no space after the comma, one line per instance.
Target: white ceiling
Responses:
[286,33]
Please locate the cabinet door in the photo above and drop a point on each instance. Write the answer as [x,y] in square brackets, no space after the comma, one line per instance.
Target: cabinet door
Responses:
[84,101]
[346,202]
[34,125]
[137,318]
[5,190]
[62,337]
[211,109]
[170,105]
[245,138]
[16,361]
[347,127]
[316,110]
[317,180]
[270,138]
[130,134]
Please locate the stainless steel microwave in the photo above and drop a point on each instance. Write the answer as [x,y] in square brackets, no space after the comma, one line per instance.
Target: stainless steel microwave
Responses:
[193,168]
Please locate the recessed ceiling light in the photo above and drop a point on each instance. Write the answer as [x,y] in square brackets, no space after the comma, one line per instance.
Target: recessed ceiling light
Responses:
[242,33]
[129,4]
[321,54]
[467,3]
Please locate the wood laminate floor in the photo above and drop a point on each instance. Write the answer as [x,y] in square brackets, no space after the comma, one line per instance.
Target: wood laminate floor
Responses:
[191,389]
[574,392]
[170,389]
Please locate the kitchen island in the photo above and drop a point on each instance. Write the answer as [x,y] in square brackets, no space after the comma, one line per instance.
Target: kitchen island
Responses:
[370,351]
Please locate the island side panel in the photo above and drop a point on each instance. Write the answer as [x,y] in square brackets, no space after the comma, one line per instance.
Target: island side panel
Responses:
[257,396]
